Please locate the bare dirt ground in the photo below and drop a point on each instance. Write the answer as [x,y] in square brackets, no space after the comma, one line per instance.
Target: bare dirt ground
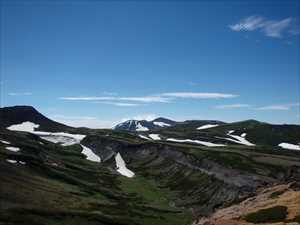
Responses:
[284,195]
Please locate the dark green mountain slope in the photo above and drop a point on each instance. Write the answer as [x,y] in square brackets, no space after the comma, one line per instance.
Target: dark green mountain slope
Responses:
[174,183]
[257,132]
[19,114]
[57,185]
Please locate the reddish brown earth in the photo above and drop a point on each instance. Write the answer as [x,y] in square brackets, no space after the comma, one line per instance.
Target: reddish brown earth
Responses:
[234,215]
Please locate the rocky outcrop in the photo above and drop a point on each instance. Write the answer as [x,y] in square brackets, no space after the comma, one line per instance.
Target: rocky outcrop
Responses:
[203,183]
[284,196]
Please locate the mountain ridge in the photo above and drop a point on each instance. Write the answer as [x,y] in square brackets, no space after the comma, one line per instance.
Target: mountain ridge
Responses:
[172,183]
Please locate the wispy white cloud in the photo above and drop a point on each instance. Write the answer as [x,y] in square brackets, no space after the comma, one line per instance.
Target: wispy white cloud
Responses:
[248,24]
[122,104]
[275,28]
[158,98]
[199,95]
[84,121]
[19,93]
[270,28]
[279,106]
[145,99]
[233,106]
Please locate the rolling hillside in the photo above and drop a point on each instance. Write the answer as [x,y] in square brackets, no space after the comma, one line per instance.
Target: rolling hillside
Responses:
[63,175]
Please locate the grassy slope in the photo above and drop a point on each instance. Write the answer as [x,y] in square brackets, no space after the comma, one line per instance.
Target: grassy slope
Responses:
[79,191]
[257,132]
[74,190]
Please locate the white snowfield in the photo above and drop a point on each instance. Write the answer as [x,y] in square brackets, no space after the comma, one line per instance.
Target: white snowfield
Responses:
[205,143]
[25,126]
[161,124]
[5,142]
[90,155]
[239,139]
[65,139]
[207,126]
[144,137]
[55,137]
[11,161]
[139,127]
[290,146]
[155,137]
[121,166]
[13,149]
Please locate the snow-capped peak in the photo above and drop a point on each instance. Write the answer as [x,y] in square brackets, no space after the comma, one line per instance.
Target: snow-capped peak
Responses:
[144,125]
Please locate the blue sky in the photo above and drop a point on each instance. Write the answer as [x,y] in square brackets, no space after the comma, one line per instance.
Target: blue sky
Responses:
[96,63]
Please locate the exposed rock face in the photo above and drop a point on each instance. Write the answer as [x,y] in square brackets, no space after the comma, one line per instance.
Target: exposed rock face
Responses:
[203,184]
[265,198]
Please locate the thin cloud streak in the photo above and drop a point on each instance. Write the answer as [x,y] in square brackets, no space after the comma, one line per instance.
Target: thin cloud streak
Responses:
[105,98]
[270,28]
[159,98]
[233,106]
[199,95]
[122,104]
[283,107]
[146,99]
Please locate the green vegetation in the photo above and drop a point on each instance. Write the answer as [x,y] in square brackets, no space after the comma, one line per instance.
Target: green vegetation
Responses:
[271,215]
[59,186]
[296,219]
[276,194]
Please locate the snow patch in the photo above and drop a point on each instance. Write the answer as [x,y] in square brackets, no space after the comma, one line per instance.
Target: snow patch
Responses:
[121,166]
[25,126]
[161,124]
[13,149]
[154,137]
[90,155]
[207,126]
[11,161]
[139,127]
[243,135]
[5,142]
[63,140]
[144,137]
[205,143]
[289,146]
[55,137]
[239,139]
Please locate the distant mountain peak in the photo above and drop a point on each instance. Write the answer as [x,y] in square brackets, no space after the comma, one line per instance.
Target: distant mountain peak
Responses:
[144,125]
[23,113]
